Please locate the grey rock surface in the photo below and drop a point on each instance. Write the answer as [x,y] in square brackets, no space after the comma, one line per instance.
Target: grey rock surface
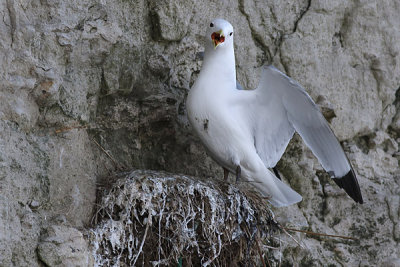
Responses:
[90,88]
[64,246]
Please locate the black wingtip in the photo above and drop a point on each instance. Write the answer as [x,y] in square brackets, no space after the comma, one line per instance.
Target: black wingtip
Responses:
[350,184]
[276,172]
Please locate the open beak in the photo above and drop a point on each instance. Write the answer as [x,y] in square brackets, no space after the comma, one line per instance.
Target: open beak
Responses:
[217,38]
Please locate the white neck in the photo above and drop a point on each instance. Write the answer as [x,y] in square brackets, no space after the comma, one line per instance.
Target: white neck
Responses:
[220,64]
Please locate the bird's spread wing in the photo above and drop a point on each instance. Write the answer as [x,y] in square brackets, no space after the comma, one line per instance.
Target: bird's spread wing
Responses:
[280,106]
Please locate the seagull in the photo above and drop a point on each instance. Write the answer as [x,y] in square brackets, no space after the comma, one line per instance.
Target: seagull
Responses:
[247,131]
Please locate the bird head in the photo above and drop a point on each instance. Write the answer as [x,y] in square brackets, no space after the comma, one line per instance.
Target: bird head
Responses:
[220,33]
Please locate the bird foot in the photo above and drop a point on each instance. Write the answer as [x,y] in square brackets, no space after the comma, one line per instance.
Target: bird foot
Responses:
[238,172]
[226,174]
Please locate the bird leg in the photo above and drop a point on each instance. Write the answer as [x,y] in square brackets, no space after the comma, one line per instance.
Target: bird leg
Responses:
[238,172]
[226,174]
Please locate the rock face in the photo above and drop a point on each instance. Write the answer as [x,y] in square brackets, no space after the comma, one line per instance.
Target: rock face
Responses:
[90,88]
[64,246]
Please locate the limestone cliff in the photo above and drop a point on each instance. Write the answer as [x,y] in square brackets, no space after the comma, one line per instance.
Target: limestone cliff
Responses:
[89,88]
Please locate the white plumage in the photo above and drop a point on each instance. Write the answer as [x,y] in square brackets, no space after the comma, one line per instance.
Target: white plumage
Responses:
[248,130]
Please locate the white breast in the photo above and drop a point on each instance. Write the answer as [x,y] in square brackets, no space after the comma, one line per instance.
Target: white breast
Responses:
[219,127]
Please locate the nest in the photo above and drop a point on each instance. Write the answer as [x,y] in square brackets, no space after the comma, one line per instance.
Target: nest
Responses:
[158,219]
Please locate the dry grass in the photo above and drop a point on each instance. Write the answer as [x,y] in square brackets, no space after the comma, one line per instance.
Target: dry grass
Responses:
[158,219]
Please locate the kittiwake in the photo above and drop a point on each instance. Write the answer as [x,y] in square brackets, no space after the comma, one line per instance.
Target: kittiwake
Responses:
[247,131]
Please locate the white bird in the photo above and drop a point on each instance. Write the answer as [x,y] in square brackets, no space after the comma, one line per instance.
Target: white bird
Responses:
[247,131]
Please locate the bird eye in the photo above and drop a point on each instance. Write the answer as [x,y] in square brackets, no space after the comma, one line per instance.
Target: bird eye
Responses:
[211,24]
[231,34]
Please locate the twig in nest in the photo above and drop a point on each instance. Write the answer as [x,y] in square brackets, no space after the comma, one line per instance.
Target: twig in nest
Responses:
[269,247]
[144,239]
[318,234]
[294,239]
[258,248]
[66,129]
[108,155]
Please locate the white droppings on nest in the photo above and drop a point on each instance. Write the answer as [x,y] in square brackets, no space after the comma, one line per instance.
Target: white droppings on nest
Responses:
[155,218]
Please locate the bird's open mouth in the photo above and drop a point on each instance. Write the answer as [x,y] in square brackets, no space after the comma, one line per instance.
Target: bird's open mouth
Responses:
[217,38]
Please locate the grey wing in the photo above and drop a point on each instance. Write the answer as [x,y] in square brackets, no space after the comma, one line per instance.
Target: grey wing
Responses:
[287,107]
[268,119]
[272,130]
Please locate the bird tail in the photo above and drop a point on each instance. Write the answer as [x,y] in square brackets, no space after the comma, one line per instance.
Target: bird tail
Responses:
[279,194]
